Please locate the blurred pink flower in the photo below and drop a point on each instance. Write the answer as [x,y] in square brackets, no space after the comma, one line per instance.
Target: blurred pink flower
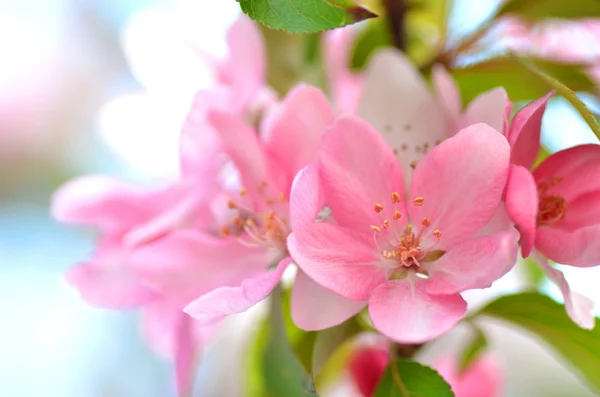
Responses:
[409,261]
[555,205]
[482,378]
[367,366]
[412,118]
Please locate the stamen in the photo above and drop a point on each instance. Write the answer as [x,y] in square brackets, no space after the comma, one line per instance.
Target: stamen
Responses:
[395,197]
[426,222]
[397,215]
[231,205]
[269,201]
[419,201]
[386,224]
[413,165]
[281,198]
[250,222]
[437,233]
[243,191]
[375,229]
[378,208]
[224,231]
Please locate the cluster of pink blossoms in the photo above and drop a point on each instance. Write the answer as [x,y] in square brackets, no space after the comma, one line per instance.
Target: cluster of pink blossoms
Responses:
[394,199]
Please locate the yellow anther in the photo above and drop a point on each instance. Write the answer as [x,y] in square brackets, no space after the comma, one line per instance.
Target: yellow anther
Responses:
[426,222]
[243,191]
[378,208]
[250,222]
[386,224]
[281,198]
[269,201]
[224,231]
[419,201]
[375,228]
[230,205]
[395,197]
[397,215]
[437,233]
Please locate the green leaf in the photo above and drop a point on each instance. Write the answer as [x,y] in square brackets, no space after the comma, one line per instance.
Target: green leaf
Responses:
[566,91]
[475,347]
[405,378]
[516,78]
[328,340]
[304,16]
[549,321]
[541,9]
[534,275]
[282,371]
[375,35]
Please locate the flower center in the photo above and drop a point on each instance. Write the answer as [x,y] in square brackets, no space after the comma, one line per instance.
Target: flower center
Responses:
[267,227]
[552,207]
[405,247]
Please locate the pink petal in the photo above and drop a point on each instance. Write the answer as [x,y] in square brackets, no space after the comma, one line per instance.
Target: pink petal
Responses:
[245,67]
[315,307]
[199,143]
[570,247]
[345,85]
[338,258]
[293,132]
[241,143]
[581,212]
[488,108]
[483,377]
[107,280]
[578,168]
[307,198]
[524,133]
[473,263]
[522,205]
[404,312]
[188,348]
[186,263]
[367,366]
[159,323]
[447,94]
[579,308]
[224,301]
[358,170]
[398,103]
[461,182]
[101,202]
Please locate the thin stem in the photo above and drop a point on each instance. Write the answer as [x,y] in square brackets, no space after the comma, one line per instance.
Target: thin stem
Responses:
[398,381]
[396,14]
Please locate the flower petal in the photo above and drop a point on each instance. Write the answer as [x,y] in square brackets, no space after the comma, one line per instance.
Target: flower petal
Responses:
[314,307]
[577,166]
[582,211]
[482,378]
[570,247]
[473,263]
[307,198]
[245,67]
[293,131]
[404,312]
[522,205]
[358,170]
[579,307]
[345,86]
[447,94]
[186,263]
[340,259]
[488,108]
[107,280]
[224,301]
[241,143]
[104,203]
[524,133]
[398,103]
[461,182]
[187,350]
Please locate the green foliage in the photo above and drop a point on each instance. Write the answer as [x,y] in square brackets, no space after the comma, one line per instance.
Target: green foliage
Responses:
[549,321]
[515,76]
[375,35]
[534,275]
[274,369]
[475,347]
[405,378]
[540,9]
[427,24]
[304,16]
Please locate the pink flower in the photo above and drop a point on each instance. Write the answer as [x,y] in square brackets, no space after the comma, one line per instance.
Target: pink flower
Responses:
[482,378]
[555,206]
[254,216]
[411,118]
[367,366]
[108,279]
[409,259]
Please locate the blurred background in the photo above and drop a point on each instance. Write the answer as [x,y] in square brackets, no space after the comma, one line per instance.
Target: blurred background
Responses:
[96,86]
